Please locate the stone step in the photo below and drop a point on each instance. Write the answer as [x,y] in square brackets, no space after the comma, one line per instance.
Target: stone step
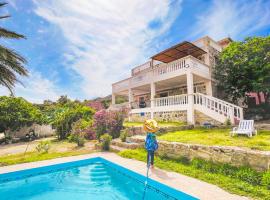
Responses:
[140,139]
[127,145]
[116,148]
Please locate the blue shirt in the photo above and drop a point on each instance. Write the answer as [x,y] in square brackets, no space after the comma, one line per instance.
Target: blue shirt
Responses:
[151,142]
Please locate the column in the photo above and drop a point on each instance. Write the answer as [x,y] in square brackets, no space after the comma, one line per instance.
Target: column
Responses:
[130,96]
[208,86]
[153,93]
[190,91]
[113,99]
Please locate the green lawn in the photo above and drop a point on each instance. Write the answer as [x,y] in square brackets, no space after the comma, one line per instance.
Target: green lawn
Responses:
[161,124]
[219,137]
[58,149]
[241,181]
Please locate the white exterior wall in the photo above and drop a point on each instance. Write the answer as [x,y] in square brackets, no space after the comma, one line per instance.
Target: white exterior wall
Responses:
[147,77]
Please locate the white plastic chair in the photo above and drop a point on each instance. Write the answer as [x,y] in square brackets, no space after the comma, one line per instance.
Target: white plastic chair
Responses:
[245,127]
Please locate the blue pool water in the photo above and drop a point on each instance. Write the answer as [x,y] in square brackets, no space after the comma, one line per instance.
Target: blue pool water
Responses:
[88,179]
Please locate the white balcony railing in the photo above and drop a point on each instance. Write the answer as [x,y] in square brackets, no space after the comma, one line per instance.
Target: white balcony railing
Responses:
[170,67]
[121,85]
[163,71]
[140,68]
[171,100]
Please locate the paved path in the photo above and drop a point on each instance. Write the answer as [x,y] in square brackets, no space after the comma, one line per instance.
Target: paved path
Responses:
[20,147]
[192,186]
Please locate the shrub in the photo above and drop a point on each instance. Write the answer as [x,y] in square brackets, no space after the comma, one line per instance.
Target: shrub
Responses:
[90,133]
[228,122]
[64,119]
[43,146]
[16,113]
[78,132]
[100,123]
[114,123]
[108,122]
[266,180]
[105,142]
[123,136]
[97,105]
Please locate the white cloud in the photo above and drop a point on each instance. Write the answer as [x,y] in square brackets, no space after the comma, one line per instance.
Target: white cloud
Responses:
[35,89]
[106,38]
[232,18]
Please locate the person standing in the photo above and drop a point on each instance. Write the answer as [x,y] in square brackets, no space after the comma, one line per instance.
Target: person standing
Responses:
[151,144]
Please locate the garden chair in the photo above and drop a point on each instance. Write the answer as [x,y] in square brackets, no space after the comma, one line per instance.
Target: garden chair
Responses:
[245,127]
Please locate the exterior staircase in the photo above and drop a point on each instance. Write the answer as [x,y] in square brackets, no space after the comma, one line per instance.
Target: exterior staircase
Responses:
[217,109]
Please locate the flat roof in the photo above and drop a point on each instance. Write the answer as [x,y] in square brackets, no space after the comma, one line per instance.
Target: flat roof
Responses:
[178,51]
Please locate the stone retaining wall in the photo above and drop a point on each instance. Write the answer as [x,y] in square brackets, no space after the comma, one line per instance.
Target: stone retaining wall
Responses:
[127,145]
[259,160]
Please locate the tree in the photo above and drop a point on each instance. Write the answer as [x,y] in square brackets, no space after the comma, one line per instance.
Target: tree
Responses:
[64,119]
[16,113]
[244,67]
[63,99]
[11,63]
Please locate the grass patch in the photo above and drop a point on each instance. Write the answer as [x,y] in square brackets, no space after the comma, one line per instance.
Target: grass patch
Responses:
[242,181]
[220,137]
[161,124]
[35,156]
[58,149]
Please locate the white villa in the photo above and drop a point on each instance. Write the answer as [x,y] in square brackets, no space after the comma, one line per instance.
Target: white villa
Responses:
[177,84]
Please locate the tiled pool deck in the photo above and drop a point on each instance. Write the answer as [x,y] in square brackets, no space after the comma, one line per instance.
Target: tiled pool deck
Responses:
[192,186]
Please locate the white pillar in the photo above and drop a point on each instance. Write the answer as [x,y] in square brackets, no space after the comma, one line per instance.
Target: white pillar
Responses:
[130,96]
[190,91]
[153,93]
[208,86]
[113,99]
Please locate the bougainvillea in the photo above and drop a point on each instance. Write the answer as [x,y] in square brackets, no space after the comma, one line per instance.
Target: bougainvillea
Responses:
[100,123]
[110,122]
[96,105]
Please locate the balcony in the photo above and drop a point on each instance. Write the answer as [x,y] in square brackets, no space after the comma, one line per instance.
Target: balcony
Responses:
[216,108]
[163,71]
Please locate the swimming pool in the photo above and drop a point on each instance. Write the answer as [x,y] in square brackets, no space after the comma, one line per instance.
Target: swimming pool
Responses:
[94,178]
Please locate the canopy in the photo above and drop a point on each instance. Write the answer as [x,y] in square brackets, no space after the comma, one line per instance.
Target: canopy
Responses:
[178,51]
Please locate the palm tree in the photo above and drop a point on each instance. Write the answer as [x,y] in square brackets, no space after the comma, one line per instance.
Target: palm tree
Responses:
[11,63]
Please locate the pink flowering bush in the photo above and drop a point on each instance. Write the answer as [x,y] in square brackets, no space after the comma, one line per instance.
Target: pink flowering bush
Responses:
[114,123]
[100,123]
[110,122]
[96,105]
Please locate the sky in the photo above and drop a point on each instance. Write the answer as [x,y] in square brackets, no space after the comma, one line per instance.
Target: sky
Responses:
[80,47]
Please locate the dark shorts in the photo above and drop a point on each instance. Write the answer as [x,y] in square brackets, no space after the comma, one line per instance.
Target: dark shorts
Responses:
[150,157]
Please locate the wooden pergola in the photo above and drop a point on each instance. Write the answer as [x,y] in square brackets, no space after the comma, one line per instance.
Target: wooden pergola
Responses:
[178,51]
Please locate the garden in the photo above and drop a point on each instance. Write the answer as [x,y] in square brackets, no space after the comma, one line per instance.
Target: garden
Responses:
[73,121]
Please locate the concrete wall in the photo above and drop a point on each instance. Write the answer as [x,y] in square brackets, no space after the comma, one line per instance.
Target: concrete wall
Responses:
[40,131]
